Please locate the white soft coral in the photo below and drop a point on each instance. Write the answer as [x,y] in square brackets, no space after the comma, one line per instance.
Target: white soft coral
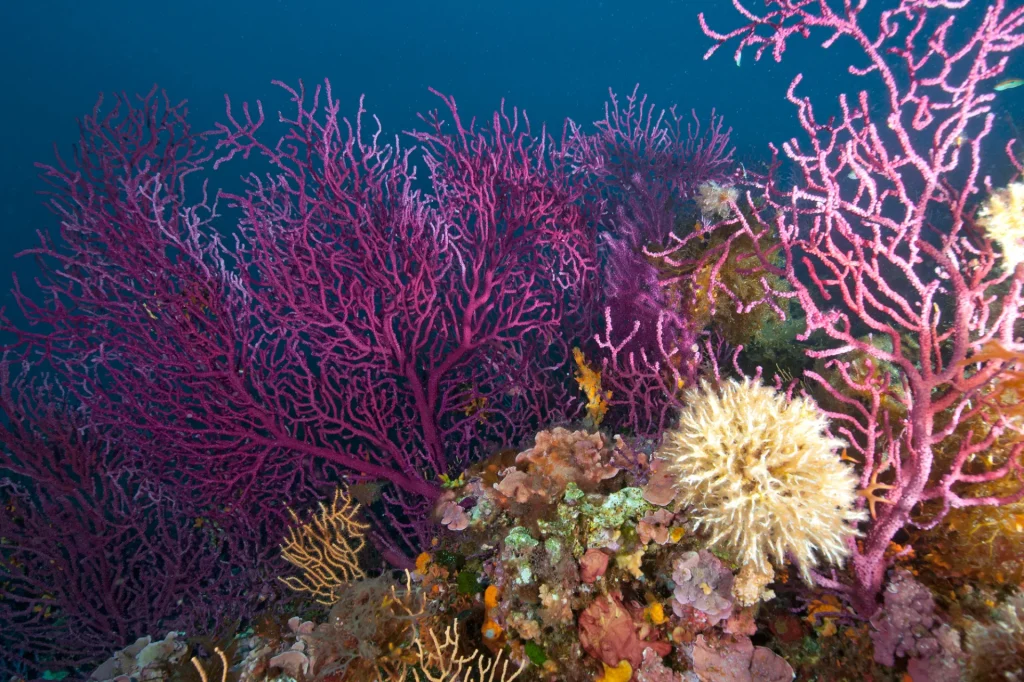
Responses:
[1002,218]
[763,476]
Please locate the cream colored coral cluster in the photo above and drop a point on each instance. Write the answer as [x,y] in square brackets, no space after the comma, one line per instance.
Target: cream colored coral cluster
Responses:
[1002,218]
[716,200]
[763,477]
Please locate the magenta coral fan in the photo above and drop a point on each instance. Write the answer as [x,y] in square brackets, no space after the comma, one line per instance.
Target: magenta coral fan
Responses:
[359,330]
[93,554]
[644,163]
[879,234]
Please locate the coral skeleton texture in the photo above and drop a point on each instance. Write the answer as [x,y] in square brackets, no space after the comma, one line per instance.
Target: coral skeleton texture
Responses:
[763,476]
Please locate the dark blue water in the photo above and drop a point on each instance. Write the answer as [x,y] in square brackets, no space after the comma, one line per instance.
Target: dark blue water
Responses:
[555,59]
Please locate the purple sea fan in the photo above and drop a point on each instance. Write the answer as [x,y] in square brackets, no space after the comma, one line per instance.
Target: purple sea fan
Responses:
[366,324]
[93,554]
[632,287]
[640,149]
[644,163]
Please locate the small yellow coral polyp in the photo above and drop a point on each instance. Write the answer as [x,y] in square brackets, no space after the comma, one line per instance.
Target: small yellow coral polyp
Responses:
[656,613]
[590,383]
[422,561]
[620,673]
[763,476]
[1002,218]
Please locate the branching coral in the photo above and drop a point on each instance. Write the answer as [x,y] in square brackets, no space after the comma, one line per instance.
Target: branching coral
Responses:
[763,476]
[877,233]
[93,553]
[717,279]
[326,549]
[439,661]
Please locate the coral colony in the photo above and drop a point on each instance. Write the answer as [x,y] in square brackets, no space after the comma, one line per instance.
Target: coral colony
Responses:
[482,403]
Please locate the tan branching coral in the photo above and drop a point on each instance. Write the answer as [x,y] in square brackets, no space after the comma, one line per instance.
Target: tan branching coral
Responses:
[439,660]
[326,549]
[224,667]
[762,475]
[1002,218]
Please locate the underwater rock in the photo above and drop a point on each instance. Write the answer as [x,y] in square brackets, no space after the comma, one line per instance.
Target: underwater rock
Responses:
[608,632]
[736,659]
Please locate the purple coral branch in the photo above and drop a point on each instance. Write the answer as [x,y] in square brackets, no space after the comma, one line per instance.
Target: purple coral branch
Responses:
[360,327]
[90,559]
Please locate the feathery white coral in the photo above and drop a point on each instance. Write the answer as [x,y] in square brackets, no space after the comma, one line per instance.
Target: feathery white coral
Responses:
[713,199]
[763,476]
[1002,217]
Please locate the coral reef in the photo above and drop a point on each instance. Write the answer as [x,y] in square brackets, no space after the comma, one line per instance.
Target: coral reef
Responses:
[597,408]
